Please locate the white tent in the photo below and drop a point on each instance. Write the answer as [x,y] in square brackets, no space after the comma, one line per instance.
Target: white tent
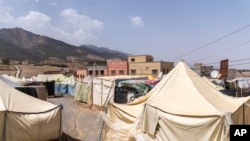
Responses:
[181,107]
[104,88]
[83,90]
[25,118]
[63,84]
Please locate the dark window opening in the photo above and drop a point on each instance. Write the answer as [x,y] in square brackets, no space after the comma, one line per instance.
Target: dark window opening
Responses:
[154,71]
[112,72]
[102,72]
[121,72]
[90,72]
[133,71]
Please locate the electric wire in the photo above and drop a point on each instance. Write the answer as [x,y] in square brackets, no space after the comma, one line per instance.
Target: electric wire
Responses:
[239,64]
[212,42]
[223,51]
[239,60]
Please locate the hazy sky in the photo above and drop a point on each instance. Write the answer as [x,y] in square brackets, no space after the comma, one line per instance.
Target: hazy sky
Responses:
[205,31]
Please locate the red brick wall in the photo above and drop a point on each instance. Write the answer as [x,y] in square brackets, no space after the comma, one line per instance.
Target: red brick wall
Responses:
[116,66]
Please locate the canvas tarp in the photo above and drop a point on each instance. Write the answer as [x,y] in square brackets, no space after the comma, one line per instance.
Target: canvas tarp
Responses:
[35,91]
[63,84]
[182,106]
[14,80]
[23,117]
[104,88]
[83,90]
[8,80]
[49,77]
[187,108]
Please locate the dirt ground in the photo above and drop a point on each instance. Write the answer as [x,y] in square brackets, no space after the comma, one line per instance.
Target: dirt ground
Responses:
[80,123]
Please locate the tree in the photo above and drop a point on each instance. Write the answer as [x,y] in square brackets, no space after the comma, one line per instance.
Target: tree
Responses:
[6,60]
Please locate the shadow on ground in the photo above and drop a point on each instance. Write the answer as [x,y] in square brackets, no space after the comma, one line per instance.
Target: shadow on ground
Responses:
[66,137]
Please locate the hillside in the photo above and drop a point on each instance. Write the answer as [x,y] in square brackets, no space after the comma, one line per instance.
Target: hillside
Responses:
[18,44]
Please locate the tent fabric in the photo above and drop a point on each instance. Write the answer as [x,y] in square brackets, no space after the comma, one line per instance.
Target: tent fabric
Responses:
[15,80]
[48,77]
[62,84]
[104,88]
[23,117]
[182,106]
[39,92]
[83,92]
[187,102]
[8,81]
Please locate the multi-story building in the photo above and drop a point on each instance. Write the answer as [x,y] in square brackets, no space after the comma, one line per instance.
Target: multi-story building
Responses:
[203,70]
[117,67]
[81,74]
[97,68]
[145,65]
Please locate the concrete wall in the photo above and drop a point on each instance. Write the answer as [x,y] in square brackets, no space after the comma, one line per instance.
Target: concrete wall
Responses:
[116,67]
[150,68]
[140,58]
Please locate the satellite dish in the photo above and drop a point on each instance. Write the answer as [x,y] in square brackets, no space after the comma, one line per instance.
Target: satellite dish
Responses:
[214,73]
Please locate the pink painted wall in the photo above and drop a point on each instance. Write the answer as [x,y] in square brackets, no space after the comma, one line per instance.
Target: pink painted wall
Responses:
[116,66]
[81,74]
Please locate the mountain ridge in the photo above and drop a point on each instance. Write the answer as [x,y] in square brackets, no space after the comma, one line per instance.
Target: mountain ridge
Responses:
[19,44]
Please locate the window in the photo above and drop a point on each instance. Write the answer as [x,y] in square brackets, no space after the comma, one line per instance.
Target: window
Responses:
[163,71]
[90,72]
[121,72]
[133,71]
[112,72]
[149,59]
[154,71]
[132,59]
[102,72]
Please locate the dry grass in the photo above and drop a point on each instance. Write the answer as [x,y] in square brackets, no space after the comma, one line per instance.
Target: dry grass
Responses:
[31,70]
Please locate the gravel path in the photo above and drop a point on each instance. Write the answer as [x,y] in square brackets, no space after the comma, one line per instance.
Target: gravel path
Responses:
[79,122]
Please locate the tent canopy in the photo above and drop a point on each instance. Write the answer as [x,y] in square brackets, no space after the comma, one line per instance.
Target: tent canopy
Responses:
[184,92]
[23,117]
[182,106]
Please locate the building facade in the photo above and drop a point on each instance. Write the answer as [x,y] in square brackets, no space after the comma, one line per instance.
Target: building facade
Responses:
[203,70]
[117,67]
[97,68]
[81,74]
[145,65]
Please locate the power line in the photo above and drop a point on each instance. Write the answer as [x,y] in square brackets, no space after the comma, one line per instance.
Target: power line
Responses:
[240,60]
[223,37]
[240,45]
[232,61]
[239,64]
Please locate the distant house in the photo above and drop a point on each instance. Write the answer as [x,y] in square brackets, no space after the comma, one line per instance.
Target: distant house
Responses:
[96,68]
[203,70]
[81,74]
[117,67]
[145,65]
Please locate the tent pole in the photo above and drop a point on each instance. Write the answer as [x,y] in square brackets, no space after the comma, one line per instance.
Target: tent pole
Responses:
[4,126]
[244,113]
[101,90]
